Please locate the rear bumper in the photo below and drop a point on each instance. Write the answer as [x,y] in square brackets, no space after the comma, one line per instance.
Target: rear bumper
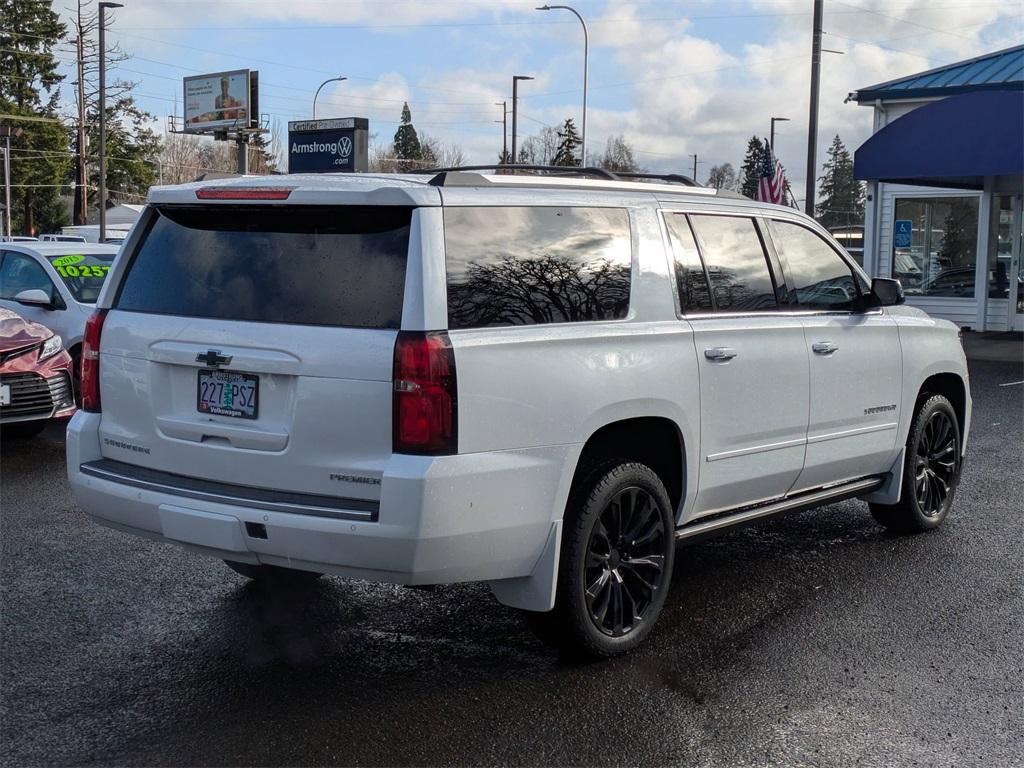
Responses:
[475,517]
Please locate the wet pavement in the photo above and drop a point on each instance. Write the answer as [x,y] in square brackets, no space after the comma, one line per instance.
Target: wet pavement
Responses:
[816,639]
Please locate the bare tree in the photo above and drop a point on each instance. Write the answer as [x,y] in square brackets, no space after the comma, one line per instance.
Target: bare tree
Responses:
[722,177]
[540,149]
[445,154]
[619,155]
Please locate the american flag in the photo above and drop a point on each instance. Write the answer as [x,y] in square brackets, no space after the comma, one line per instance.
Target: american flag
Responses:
[772,185]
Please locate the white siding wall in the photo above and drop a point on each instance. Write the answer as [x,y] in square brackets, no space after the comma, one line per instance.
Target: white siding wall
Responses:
[997,315]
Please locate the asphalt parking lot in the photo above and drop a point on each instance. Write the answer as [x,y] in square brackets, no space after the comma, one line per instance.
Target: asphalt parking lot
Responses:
[816,639]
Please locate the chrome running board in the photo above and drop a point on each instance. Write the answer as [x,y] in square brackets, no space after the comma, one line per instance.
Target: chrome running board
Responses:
[807,500]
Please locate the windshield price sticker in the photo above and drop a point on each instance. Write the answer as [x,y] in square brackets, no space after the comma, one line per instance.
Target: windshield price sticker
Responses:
[84,270]
[64,261]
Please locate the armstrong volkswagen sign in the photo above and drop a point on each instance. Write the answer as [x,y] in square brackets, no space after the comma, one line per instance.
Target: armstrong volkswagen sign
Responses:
[328,146]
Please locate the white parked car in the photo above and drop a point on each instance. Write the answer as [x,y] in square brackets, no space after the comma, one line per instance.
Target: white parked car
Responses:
[539,383]
[57,238]
[55,284]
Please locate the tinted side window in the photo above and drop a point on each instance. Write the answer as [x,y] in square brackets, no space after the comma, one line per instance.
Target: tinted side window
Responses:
[691,282]
[528,266]
[819,276]
[736,262]
[306,265]
[23,273]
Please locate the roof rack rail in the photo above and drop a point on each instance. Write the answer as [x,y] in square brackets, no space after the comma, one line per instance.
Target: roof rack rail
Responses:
[451,176]
[678,178]
[557,170]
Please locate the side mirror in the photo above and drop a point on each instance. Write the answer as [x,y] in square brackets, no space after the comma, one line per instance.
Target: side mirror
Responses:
[34,297]
[887,292]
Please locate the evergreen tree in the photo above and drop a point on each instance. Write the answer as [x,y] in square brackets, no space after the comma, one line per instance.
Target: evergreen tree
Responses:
[750,171]
[407,142]
[841,195]
[40,160]
[565,155]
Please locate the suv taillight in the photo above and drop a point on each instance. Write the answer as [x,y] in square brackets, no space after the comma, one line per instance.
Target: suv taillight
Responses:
[90,363]
[425,415]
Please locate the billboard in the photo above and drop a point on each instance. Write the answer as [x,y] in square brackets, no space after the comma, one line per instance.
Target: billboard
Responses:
[219,101]
[328,146]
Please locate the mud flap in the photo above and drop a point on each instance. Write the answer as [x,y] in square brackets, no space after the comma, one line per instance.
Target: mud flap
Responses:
[890,489]
[535,592]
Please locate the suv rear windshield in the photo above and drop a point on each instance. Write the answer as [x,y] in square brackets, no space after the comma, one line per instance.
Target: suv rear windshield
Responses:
[304,265]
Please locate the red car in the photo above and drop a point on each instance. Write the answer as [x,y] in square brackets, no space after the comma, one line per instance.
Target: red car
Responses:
[35,377]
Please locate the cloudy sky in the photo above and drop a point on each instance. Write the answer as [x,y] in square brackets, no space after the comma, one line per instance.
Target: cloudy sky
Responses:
[676,77]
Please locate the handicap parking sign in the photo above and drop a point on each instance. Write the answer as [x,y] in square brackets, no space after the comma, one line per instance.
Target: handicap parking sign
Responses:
[902,233]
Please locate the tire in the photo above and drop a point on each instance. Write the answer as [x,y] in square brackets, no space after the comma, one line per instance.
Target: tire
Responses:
[22,430]
[931,470]
[618,547]
[272,575]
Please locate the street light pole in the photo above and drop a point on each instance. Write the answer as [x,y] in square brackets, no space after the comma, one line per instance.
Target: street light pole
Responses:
[325,82]
[515,110]
[586,46]
[812,127]
[771,135]
[104,6]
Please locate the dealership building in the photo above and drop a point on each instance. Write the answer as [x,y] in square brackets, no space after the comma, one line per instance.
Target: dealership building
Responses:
[945,174]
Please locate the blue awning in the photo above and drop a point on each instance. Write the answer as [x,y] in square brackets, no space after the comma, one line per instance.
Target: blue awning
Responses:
[955,142]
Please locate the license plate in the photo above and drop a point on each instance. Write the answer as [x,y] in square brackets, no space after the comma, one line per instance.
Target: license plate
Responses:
[228,394]
[5,394]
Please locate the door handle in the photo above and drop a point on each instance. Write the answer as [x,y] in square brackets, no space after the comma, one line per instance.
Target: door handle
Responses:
[824,347]
[720,354]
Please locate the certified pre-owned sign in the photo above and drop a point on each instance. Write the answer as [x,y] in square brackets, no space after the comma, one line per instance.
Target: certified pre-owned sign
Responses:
[323,146]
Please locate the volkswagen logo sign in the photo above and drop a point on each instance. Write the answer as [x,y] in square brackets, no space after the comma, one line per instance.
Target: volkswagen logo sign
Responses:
[344,147]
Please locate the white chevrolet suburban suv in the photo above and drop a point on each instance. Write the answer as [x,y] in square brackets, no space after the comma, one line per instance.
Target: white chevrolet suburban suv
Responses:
[538,382]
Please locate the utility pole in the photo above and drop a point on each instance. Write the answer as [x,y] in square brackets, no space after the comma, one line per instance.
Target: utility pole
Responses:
[694,167]
[7,180]
[243,153]
[82,169]
[515,110]
[812,127]
[504,130]
[82,190]
[103,117]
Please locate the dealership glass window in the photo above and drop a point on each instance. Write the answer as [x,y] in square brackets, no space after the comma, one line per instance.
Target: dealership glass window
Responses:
[941,257]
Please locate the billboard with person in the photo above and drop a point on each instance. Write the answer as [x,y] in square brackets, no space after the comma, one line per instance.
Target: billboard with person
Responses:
[218,101]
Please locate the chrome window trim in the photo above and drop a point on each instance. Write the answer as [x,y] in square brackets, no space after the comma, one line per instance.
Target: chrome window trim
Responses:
[781,313]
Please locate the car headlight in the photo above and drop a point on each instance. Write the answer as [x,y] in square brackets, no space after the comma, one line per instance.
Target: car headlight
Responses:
[51,347]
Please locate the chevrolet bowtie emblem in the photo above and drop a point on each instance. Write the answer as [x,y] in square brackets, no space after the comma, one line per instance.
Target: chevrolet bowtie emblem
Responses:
[213,358]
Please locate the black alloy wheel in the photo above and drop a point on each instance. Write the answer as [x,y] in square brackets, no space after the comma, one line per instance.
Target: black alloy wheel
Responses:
[625,565]
[936,465]
[931,470]
[615,567]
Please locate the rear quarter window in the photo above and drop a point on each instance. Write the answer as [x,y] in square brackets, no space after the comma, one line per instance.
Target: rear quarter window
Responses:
[536,265]
[303,265]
